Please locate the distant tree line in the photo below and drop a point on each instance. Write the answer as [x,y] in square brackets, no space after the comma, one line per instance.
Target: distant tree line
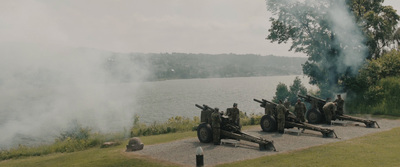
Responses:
[187,65]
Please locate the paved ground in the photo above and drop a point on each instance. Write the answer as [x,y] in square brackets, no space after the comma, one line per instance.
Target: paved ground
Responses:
[184,151]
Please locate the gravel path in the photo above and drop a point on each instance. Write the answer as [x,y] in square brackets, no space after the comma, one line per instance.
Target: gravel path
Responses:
[184,151]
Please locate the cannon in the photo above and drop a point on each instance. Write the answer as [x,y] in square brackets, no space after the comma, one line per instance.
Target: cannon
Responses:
[316,115]
[269,124]
[228,130]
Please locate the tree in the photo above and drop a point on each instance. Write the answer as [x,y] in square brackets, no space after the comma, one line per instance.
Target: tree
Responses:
[295,89]
[281,93]
[337,37]
[378,23]
[372,73]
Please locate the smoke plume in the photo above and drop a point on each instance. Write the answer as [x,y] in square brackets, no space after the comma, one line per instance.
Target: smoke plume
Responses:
[338,45]
[43,89]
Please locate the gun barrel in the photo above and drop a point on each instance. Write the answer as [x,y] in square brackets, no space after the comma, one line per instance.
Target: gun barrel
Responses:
[208,107]
[302,96]
[310,98]
[258,100]
[199,106]
[269,102]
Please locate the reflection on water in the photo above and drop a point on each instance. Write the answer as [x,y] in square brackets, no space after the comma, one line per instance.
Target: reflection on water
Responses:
[158,101]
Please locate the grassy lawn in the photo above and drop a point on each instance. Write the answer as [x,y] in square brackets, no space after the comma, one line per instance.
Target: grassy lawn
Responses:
[114,156]
[380,149]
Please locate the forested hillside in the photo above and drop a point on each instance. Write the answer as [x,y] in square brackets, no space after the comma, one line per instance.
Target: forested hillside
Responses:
[186,65]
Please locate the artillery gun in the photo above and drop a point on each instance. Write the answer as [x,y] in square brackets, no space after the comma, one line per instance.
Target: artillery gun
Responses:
[269,122]
[316,115]
[228,130]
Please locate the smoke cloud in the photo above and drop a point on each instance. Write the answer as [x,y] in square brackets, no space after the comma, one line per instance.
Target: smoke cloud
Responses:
[348,36]
[333,29]
[43,89]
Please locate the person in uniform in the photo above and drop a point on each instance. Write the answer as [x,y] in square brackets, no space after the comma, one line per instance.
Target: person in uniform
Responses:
[300,109]
[286,104]
[329,110]
[281,112]
[340,103]
[233,114]
[216,125]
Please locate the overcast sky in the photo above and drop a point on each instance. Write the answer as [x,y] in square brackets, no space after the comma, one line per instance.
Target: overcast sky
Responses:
[190,26]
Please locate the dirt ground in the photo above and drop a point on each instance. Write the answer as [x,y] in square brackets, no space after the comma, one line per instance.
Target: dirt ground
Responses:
[184,151]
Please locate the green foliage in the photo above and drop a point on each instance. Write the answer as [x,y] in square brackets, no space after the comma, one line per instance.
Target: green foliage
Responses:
[174,124]
[379,24]
[283,93]
[77,138]
[382,98]
[187,65]
[296,88]
[374,84]
[76,131]
[311,29]
[252,119]
[66,145]
[387,65]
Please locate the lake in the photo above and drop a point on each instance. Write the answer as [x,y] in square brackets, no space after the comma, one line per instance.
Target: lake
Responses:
[158,101]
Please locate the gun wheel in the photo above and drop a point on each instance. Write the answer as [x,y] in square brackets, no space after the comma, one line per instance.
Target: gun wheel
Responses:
[268,123]
[204,133]
[314,116]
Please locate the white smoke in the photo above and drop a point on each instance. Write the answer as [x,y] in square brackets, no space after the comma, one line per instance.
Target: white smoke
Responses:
[44,89]
[348,36]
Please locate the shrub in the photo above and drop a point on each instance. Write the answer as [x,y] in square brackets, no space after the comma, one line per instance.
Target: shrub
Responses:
[77,138]
[174,124]
[386,100]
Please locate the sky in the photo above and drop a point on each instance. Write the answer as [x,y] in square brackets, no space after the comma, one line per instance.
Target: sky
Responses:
[149,26]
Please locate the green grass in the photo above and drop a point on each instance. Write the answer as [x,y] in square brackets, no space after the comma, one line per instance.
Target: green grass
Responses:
[114,156]
[380,149]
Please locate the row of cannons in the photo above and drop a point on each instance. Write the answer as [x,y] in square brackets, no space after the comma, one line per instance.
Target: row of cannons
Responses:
[268,123]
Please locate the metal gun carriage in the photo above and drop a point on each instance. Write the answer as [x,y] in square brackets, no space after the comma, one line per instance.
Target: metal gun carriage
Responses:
[316,115]
[269,122]
[228,130]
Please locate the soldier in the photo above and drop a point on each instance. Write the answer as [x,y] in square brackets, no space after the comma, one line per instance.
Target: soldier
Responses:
[286,104]
[340,103]
[329,111]
[300,110]
[233,114]
[216,124]
[281,116]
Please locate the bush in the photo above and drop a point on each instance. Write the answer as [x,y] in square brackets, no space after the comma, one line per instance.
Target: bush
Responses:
[77,138]
[174,124]
[253,119]
[386,100]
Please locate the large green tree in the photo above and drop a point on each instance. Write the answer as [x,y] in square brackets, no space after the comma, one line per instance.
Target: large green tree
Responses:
[296,88]
[282,92]
[372,72]
[337,36]
[290,94]
[378,23]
